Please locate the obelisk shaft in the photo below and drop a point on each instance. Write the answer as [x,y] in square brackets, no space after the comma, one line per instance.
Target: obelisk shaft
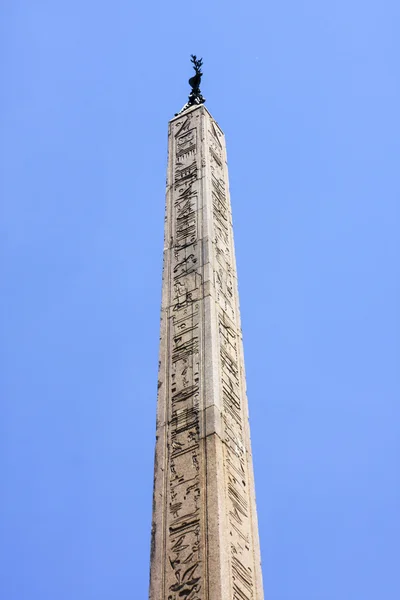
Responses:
[204,537]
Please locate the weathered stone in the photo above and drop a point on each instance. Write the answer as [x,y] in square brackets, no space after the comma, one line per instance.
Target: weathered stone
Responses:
[204,538]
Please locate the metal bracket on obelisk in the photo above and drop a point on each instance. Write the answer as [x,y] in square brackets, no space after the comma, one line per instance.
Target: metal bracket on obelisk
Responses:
[195,96]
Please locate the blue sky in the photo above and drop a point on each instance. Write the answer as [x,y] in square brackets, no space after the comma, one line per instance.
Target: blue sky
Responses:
[308,94]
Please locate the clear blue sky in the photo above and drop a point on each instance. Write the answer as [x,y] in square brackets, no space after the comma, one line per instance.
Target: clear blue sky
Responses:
[308,94]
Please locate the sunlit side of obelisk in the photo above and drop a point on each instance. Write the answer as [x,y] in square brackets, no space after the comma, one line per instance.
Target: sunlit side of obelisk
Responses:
[205,542]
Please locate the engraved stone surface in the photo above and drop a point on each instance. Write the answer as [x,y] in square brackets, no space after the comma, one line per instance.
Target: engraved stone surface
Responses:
[204,534]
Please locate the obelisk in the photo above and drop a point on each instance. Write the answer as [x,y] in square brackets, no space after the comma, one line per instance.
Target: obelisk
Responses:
[204,542]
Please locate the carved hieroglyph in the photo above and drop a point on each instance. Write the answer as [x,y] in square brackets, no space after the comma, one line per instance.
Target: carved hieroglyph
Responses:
[204,537]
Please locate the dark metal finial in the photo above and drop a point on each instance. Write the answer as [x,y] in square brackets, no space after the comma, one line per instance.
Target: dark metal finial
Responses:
[195,96]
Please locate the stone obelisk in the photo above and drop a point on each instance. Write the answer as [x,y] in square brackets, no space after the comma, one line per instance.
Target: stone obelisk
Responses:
[205,542]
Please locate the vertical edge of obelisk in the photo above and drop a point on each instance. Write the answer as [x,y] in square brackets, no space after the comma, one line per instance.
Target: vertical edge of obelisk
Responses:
[217,563]
[157,551]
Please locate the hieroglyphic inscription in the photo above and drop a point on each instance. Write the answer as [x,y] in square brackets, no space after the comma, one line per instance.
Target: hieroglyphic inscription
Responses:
[183,565]
[203,532]
[236,476]
[223,274]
